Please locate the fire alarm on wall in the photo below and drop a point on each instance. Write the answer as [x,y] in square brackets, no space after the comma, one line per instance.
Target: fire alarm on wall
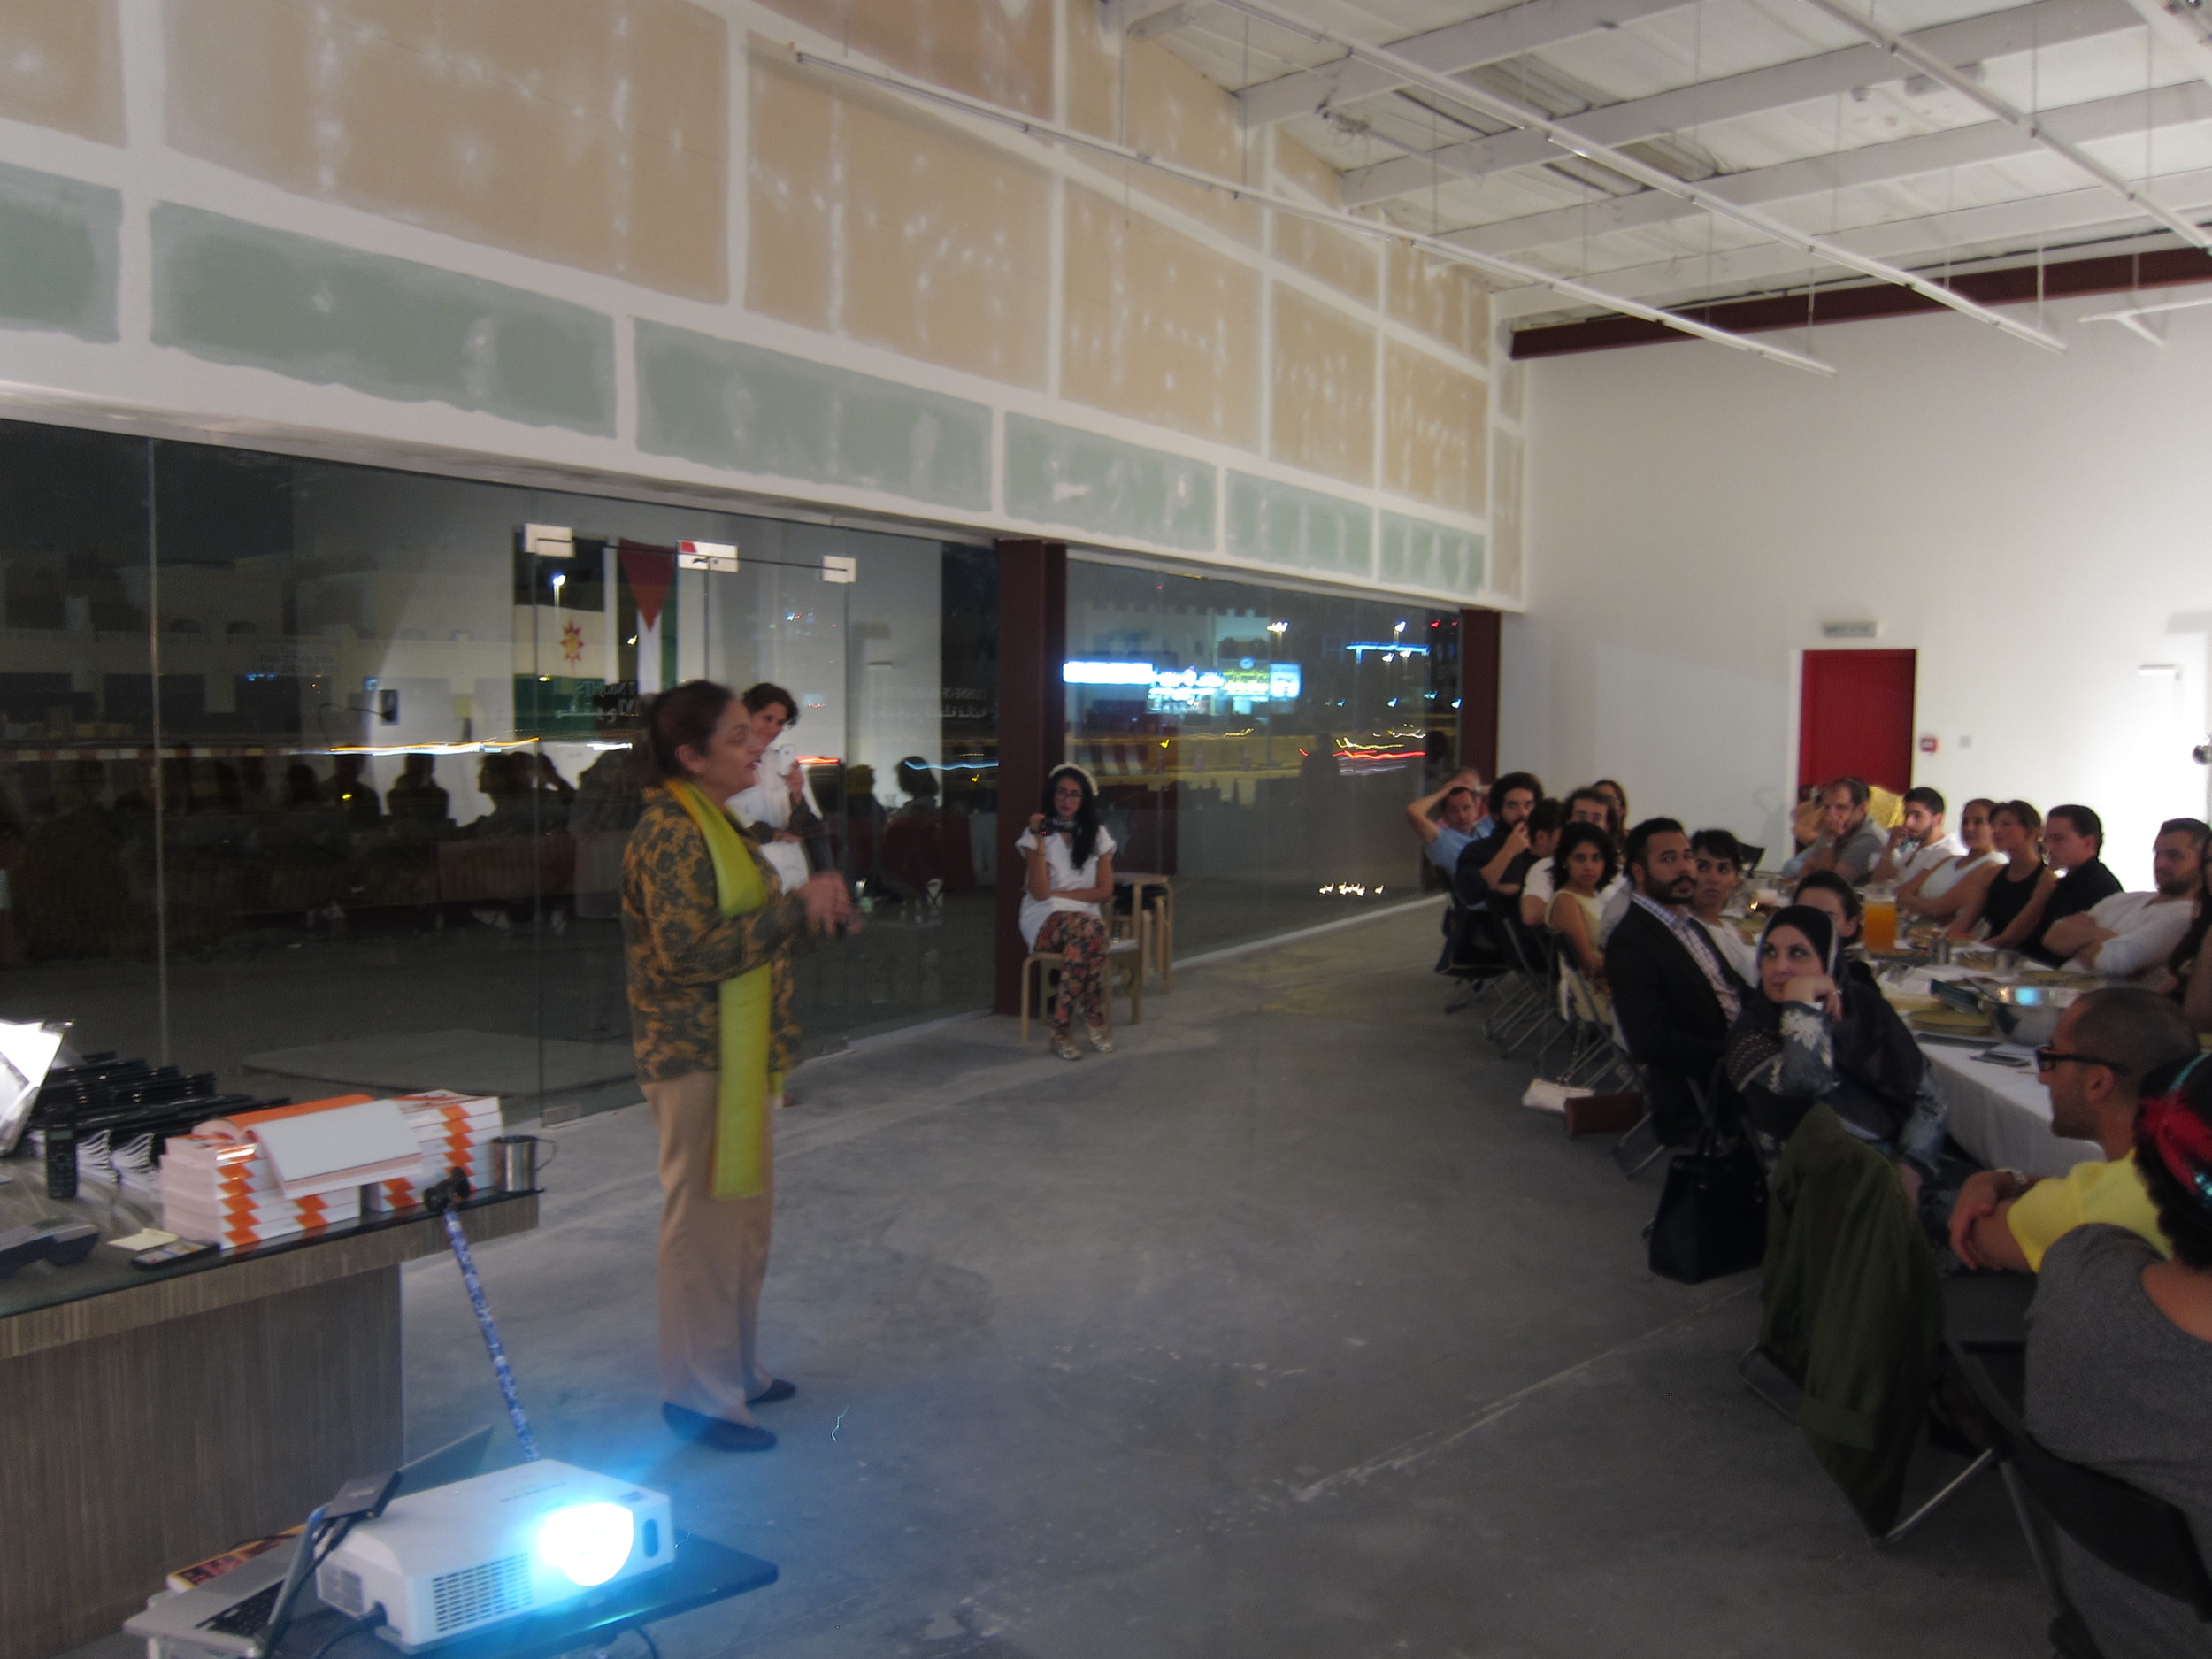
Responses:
[1928,742]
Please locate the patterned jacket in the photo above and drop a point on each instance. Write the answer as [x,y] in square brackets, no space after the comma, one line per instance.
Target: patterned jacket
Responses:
[680,948]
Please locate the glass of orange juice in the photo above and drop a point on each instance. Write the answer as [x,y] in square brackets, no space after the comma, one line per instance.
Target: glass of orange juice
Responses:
[1880,926]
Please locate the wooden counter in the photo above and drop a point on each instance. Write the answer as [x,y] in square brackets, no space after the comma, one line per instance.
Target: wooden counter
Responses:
[151,1421]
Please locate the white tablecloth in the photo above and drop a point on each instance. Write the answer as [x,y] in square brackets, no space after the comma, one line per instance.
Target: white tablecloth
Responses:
[2001,1114]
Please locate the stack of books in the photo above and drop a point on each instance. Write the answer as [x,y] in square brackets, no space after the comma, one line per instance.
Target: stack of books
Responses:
[253,1177]
[454,1133]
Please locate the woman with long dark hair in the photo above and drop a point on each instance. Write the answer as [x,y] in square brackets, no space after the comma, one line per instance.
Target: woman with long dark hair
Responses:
[1814,1030]
[1068,873]
[1582,868]
[2009,897]
[708,932]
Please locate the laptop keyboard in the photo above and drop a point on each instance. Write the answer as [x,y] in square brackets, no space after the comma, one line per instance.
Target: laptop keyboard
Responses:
[244,1619]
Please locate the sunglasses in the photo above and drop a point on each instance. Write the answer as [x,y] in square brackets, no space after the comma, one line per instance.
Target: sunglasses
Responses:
[2051,1059]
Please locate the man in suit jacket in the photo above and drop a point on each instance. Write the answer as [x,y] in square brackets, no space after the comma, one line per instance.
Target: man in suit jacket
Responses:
[1673,994]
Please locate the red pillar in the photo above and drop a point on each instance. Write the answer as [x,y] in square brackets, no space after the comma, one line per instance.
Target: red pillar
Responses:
[1032,727]
[1478,691]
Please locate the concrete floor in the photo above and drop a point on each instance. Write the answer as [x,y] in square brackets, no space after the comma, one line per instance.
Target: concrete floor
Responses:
[1283,1332]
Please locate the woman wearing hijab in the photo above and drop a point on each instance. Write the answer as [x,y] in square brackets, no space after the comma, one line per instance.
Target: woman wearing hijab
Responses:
[708,933]
[1817,1031]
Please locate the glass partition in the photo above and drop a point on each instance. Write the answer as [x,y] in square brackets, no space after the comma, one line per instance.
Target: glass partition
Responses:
[1256,742]
[316,775]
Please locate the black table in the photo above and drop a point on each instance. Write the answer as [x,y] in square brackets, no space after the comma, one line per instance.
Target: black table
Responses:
[703,1573]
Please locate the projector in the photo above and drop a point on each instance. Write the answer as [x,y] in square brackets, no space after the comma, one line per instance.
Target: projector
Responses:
[460,1557]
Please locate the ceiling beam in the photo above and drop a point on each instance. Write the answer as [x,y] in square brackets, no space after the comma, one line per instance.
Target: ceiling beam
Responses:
[1528,27]
[2012,225]
[2016,285]
[2127,115]
[1972,40]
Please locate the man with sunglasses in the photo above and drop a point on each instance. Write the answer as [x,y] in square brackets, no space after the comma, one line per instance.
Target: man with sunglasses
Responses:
[2093,1067]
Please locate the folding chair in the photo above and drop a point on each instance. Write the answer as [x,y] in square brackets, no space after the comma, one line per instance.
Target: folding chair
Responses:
[1461,960]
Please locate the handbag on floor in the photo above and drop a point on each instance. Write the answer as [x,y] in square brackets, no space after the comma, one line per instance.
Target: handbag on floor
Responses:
[1712,1219]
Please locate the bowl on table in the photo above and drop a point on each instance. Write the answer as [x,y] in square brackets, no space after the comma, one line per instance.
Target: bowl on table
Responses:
[2027,1014]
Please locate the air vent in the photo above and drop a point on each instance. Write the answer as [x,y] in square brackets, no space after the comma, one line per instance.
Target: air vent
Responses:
[475,1595]
[340,1587]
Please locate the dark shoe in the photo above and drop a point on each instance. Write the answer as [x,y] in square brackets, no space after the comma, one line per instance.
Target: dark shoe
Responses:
[775,1391]
[719,1432]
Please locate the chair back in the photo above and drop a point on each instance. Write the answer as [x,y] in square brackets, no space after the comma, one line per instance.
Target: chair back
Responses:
[2124,1526]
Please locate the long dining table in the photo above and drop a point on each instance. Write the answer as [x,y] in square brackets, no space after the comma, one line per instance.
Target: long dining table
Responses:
[2002,1113]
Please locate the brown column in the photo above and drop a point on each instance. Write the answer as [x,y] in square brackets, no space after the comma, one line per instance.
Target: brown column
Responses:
[1478,691]
[1033,724]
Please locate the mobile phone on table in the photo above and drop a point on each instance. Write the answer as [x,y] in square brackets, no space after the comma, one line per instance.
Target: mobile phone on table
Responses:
[170,1254]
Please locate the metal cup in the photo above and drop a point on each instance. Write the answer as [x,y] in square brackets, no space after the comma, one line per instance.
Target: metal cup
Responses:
[515,1161]
[1939,950]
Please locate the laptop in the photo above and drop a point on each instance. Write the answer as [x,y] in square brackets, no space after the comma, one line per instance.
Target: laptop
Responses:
[226,1616]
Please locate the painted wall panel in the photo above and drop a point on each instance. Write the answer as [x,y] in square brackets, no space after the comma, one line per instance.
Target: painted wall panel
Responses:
[999,50]
[1444,301]
[57,249]
[873,220]
[755,411]
[1302,528]
[1435,422]
[236,293]
[1323,385]
[1346,262]
[592,133]
[1157,326]
[61,65]
[1057,474]
[1151,100]
[1424,555]
[1509,468]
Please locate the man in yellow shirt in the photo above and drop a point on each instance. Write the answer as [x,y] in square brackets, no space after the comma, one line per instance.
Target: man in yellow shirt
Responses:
[2104,1046]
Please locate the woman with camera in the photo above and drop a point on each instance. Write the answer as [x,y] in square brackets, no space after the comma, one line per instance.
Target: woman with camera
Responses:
[1068,873]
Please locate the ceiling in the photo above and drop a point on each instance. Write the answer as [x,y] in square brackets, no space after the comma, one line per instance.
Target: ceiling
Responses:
[1778,105]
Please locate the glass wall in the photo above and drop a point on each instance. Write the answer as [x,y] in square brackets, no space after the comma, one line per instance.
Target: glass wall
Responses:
[315,774]
[1257,743]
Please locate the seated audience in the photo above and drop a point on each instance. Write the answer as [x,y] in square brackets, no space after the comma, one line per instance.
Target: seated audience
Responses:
[1586,805]
[1496,862]
[2119,1366]
[2131,935]
[1445,819]
[416,796]
[1674,995]
[2188,965]
[2073,841]
[1825,890]
[1919,842]
[1717,857]
[1815,1030]
[2005,900]
[1580,870]
[1545,821]
[1617,798]
[1069,874]
[1849,842]
[2104,1045]
[1938,889]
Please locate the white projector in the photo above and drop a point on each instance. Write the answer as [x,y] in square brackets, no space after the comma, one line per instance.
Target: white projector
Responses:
[458,1558]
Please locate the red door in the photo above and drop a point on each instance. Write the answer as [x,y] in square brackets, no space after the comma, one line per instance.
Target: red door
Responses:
[1856,718]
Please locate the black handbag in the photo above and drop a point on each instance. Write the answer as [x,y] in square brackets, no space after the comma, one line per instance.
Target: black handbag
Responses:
[1712,1219]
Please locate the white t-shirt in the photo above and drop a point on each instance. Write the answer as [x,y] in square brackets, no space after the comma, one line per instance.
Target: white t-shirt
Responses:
[769,801]
[1929,856]
[2148,927]
[1061,870]
[1955,870]
[1738,952]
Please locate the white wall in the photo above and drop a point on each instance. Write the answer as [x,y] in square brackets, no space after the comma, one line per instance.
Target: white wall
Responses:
[2037,527]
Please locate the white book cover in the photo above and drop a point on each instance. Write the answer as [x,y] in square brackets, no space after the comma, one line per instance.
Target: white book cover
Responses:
[344,1146]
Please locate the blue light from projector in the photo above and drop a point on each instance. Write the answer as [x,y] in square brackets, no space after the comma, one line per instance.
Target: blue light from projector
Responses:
[587,1543]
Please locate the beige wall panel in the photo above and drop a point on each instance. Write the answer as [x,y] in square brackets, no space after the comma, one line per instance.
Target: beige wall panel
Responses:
[1306,172]
[1323,387]
[1445,301]
[1434,423]
[1157,326]
[996,50]
[61,66]
[1172,111]
[874,221]
[587,132]
[1346,262]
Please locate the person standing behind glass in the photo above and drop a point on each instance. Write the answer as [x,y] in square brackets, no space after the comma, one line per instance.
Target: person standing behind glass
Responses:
[708,932]
[779,807]
[1069,873]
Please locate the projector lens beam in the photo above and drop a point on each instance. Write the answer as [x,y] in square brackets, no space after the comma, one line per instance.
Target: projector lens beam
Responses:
[587,1543]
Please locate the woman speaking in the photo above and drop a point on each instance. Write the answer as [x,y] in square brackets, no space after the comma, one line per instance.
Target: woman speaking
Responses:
[709,933]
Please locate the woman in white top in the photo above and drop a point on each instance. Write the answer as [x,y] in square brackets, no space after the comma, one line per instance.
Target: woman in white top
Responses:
[780,796]
[1069,864]
[1941,891]
[1580,870]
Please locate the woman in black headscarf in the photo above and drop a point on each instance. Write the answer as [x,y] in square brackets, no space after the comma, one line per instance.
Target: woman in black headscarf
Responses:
[1817,1031]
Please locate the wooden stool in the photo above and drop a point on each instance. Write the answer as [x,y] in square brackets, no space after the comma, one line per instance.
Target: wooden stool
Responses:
[1125,957]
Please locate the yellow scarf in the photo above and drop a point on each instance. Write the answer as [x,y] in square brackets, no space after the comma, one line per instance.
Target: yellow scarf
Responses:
[741,1139]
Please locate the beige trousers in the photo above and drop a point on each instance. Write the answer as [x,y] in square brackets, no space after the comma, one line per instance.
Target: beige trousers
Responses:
[713,1257]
